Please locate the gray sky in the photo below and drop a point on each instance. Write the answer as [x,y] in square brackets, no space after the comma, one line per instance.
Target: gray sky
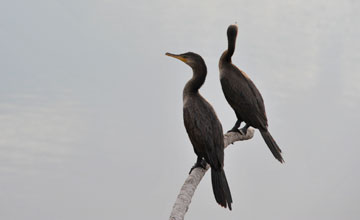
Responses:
[91,108]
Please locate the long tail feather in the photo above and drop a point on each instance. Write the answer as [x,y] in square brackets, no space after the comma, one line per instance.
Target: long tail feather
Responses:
[274,148]
[221,188]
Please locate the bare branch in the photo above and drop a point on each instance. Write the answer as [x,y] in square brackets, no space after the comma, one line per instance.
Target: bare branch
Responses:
[192,181]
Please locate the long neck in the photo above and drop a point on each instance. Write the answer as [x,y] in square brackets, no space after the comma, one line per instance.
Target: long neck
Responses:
[226,56]
[197,80]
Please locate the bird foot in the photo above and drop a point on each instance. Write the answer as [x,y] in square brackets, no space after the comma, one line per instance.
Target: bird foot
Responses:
[201,164]
[234,130]
[243,130]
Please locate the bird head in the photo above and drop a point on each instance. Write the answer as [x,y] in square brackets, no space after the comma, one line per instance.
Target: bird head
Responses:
[232,31]
[192,59]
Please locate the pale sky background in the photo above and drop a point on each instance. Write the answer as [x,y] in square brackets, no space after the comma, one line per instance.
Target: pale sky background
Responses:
[91,109]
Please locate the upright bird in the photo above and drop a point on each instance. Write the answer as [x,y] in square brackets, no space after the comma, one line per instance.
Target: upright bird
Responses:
[243,96]
[204,128]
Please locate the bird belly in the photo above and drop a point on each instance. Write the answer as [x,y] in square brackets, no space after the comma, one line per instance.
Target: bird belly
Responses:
[239,98]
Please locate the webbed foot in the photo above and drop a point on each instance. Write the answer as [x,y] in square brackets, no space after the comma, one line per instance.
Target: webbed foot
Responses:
[199,163]
[234,130]
[243,130]
[236,127]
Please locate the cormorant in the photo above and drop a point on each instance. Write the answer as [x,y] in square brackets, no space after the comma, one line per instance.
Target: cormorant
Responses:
[204,128]
[243,96]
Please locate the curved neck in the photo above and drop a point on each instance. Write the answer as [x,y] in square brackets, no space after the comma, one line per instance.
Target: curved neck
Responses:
[231,48]
[197,80]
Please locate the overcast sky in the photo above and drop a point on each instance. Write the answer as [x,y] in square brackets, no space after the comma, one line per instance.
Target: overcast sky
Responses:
[91,109]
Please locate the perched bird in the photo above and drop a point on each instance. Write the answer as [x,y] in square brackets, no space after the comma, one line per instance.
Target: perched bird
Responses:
[204,128]
[243,96]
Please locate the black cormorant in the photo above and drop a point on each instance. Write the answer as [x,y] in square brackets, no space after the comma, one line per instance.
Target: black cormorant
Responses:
[243,96]
[204,128]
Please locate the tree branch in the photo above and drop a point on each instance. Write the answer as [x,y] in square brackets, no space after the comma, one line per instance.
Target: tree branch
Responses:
[192,181]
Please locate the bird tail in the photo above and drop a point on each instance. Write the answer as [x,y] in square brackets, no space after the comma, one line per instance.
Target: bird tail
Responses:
[274,148]
[221,188]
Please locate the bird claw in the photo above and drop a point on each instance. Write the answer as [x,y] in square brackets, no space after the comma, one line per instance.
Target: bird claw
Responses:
[234,130]
[243,131]
[202,164]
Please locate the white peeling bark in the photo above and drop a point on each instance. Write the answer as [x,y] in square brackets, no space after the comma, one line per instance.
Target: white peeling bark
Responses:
[192,181]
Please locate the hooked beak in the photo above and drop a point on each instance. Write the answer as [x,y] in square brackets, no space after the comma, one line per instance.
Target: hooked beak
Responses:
[179,57]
